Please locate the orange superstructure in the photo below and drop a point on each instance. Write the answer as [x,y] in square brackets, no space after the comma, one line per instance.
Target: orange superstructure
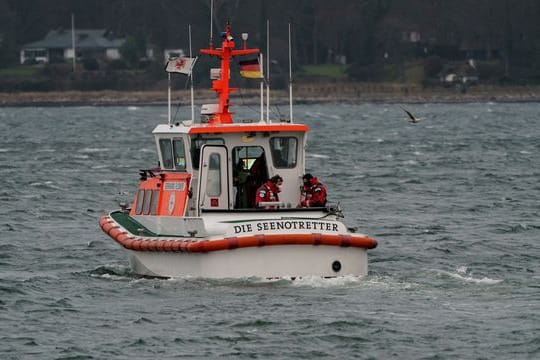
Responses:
[221,85]
[165,194]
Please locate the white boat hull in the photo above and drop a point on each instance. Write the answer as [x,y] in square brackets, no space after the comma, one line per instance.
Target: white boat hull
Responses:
[285,261]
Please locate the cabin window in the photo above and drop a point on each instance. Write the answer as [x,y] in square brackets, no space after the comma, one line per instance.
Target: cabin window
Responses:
[165,146]
[213,182]
[246,156]
[173,154]
[155,198]
[179,154]
[196,145]
[140,199]
[147,201]
[284,151]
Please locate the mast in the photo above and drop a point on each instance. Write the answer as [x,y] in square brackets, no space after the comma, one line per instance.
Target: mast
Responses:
[191,80]
[261,85]
[211,23]
[221,85]
[73,40]
[290,78]
[169,98]
[267,71]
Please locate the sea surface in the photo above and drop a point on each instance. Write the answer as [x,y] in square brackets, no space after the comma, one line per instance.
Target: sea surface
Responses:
[454,202]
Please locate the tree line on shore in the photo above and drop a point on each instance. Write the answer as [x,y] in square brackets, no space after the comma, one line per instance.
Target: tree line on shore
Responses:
[367,40]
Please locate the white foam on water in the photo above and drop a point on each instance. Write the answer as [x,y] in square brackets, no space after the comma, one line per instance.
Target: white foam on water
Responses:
[318,156]
[94,150]
[81,157]
[332,116]
[462,273]
[410,162]
[48,184]
[286,281]
[340,281]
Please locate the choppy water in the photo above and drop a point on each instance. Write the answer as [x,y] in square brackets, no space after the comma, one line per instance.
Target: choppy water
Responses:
[454,202]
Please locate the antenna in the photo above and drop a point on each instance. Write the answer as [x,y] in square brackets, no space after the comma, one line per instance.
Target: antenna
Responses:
[73,40]
[169,96]
[262,86]
[290,78]
[211,23]
[268,70]
[191,77]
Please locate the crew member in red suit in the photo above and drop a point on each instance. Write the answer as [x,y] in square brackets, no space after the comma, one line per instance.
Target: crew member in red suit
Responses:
[314,192]
[269,190]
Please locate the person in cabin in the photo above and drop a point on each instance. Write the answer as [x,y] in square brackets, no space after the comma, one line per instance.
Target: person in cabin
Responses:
[313,192]
[240,178]
[269,190]
[258,170]
[258,174]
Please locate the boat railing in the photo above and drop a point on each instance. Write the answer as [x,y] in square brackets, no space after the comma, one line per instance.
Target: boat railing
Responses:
[275,205]
[325,210]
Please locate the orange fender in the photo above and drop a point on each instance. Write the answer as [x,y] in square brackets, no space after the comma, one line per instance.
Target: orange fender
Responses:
[139,243]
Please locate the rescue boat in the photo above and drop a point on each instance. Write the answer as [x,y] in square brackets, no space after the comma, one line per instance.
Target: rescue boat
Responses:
[195,214]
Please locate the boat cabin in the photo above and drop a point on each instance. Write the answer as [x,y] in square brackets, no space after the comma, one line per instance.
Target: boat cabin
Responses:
[224,165]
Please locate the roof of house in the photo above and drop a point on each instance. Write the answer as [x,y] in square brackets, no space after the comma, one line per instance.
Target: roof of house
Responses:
[84,39]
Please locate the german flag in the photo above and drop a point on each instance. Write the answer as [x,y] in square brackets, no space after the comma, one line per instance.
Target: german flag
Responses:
[251,69]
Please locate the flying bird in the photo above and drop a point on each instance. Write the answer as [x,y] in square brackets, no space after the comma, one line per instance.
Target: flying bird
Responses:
[412,119]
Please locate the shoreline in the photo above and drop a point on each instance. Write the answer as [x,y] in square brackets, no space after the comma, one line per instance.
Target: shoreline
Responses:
[302,94]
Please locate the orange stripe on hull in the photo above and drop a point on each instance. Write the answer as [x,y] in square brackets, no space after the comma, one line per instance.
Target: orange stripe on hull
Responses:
[139,243]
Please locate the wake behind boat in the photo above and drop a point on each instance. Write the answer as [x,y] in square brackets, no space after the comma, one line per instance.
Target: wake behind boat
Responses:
[196,214]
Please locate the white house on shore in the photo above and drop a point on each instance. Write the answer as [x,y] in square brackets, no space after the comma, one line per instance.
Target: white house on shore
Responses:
[58,46]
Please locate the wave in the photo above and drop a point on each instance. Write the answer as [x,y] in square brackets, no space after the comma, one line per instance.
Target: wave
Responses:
[515,228]
[94,150]
[80,157]
[318,156]
[45,185]
[113,272]
[249,282]
[347,281]
[463,274]
[318,282]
